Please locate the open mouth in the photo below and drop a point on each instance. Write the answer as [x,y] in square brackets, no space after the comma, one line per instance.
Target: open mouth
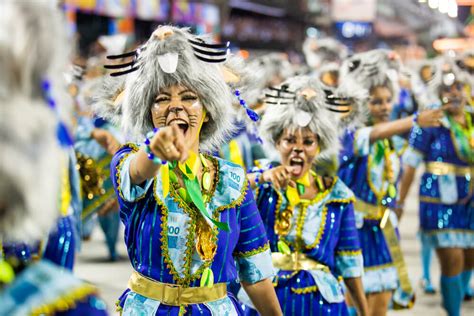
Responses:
[182,124]
[297,163]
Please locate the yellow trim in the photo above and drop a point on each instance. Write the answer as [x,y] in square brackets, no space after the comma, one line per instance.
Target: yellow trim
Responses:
[433,200]
[304,290]
[370,211]
[118,308]
[379,267]
[296,261]
[65,302]
[447,230]
[175,295]
[349,252]
[135,149]
[440,168]
[322,227]
[254,252]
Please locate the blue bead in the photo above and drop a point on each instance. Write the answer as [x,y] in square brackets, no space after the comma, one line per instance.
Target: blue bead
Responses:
[45,85]
[164,162]
[147,142]
[253,115]
[242,102]
[51,103]
[151,156]
[156,129]
[237,92]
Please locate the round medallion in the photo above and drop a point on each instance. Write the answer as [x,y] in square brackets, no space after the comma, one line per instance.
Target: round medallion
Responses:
[206,181]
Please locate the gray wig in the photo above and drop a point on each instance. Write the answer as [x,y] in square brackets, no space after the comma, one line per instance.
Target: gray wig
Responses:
[378,67]
[32,46]
[137,91]
[300,113]
[320,50]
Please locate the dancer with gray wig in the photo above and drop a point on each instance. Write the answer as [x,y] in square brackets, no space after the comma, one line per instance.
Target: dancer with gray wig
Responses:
[190,218]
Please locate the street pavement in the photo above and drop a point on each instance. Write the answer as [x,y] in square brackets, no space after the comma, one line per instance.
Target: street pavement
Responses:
[111,278]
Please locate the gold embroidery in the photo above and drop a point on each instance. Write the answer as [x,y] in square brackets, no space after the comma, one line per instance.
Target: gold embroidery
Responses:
[65,302]
[253,252]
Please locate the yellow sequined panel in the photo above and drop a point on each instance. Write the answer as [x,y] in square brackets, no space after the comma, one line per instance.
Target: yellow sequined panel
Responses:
[92,177]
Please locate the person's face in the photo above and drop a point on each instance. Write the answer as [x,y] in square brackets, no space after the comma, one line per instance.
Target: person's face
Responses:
[452,98]
[426,73]
[178,105]
[380,104]
[297,150]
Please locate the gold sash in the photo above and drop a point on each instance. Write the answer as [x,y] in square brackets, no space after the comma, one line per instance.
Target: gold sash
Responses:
[173,294]
[442,168]
[370,211]
[295,262]
[397,256]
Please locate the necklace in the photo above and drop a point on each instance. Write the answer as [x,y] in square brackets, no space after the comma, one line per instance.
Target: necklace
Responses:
[283,222]
[465,136]
[383,149]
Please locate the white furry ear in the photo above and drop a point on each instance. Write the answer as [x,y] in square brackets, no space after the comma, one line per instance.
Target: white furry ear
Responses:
[230,77]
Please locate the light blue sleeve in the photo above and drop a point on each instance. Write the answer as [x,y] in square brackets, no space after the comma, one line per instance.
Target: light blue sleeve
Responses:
[255,268]
[131,192]
[412,157]
[362,141]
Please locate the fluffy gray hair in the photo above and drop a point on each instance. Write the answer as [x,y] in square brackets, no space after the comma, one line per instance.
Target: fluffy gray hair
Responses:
[359,113]
[378,67]
[323,123]
[32,49]
[141,87]
[425,91]
[320,50]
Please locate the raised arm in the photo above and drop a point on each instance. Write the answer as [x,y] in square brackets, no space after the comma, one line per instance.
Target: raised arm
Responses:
[427,118]
[166,144]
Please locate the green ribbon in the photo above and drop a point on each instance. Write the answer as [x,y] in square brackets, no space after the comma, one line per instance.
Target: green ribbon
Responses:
[463,136]
[194,196]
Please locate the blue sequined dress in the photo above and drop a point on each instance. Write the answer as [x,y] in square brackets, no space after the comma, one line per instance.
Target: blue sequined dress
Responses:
[323,229]
[44,289]
[371,190]
[160,234]
[446,188]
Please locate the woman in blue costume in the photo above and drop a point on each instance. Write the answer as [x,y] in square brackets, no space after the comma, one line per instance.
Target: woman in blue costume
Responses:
[370,166]
[446,189]
[309,219]
[96,140]
[191,223]
[34,163]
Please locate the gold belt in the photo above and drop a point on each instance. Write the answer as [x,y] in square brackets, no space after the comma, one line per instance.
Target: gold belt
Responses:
[443,168]
[175,295]
[370,211]
[295,262]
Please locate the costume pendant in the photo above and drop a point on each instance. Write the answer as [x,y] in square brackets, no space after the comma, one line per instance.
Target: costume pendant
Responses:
[282,225]
[392,191]
[6,272]
[205,245]
[207,278]
[283,247]
[206,181]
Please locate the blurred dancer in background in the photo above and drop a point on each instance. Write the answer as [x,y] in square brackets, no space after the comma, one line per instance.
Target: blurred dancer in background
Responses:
[34,164]
[446,190]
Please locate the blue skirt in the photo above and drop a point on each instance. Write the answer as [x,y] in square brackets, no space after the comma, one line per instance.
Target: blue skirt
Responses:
[447,226]
[298,295]
[380,274]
